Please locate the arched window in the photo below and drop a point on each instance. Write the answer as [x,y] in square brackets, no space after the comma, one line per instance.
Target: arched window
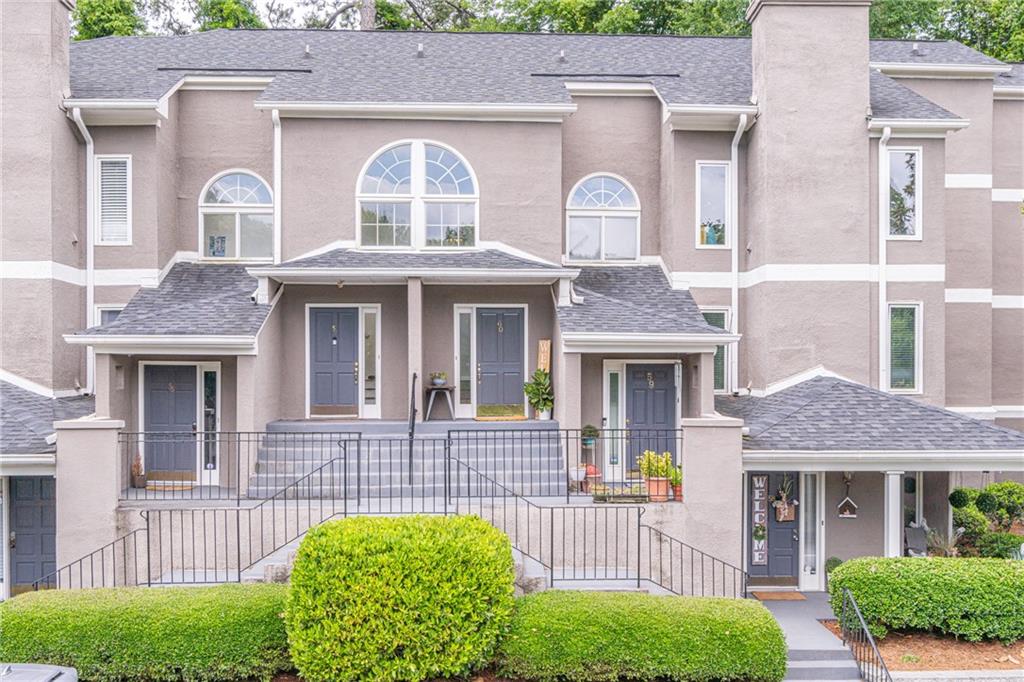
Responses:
[602,220]
[236,216]
[417,193]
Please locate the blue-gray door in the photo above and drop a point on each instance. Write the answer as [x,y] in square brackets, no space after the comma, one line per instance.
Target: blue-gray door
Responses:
[650,409]
[334,361]
[780,559]
[499,356]
[33,530]
[170,421]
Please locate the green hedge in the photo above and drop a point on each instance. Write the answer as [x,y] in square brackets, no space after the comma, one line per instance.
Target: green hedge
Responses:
[575,635]
[971,598]
[229,632]
[1000,545]
[399,598]
[974,523]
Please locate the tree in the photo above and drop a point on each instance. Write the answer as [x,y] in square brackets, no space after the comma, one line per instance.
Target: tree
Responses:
[99,18]
[211,14]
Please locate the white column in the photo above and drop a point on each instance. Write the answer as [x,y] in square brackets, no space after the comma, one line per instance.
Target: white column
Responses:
[893,545]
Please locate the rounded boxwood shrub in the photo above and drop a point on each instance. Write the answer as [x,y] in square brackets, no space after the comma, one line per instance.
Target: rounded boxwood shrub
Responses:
[228,632]
[962,497]
[399,598]
[1000,545]
[974,523]
[987,503]
[971,598]
[578,635]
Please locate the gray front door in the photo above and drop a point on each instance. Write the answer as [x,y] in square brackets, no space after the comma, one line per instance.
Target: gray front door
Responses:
[334,361]
[650,409]
[779,559]
[170,421]
[33,530]
[500,366]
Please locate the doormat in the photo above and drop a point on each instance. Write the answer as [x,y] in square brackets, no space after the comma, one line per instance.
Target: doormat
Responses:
[778,596]
[509,418]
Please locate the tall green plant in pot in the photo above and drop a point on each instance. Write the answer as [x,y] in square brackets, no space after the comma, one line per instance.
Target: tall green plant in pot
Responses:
[656,470]
[540,394]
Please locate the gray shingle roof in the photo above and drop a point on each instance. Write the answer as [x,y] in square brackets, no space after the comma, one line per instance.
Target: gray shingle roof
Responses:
[26,419]
[1014,78]
[193,299]
[890,99]
[490,259]
[825,414]
[928,52]
[631,299]
[509,68]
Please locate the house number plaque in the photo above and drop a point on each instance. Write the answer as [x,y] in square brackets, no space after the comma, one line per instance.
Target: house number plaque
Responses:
[759,519]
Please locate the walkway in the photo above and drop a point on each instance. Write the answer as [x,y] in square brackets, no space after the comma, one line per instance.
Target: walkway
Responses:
[814,652]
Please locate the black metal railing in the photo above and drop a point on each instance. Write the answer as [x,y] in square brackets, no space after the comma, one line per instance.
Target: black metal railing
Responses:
[857,636]
[120,563]
[683,569]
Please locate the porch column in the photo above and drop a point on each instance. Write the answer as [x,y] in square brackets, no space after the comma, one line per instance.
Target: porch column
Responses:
[415,324]
[712,461]
[568,376]
[700,385]
[245,395]
[893,501]
[101,384]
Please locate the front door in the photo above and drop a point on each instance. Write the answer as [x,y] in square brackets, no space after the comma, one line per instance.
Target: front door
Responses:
[334,361]
[170,422]
[500,363]
[650,409]
[774,555]
[33,525]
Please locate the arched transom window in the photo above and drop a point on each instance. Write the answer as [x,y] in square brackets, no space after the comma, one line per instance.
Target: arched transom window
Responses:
[602,220]
[236,217]
[418,193]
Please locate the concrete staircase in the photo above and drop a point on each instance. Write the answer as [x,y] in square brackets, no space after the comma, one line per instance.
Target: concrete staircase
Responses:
[821,664]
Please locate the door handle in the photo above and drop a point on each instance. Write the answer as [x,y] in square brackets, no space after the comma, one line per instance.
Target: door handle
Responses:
[796,536]
[193,427]
[355,373]
[479,374]
[12,541]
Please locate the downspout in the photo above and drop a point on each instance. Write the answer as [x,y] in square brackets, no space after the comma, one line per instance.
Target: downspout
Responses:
[90,242]
[883,294]
[275,116]
[734,252]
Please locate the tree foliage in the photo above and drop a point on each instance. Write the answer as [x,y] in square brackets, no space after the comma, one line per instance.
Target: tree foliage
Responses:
[100,18]
[211,14]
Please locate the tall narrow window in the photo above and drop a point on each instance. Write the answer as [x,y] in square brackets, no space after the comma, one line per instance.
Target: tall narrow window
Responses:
[904,347]
[237,216]
[712,204]
[717,318]
[115,200]
[904,194]
[465,357]
[602,220]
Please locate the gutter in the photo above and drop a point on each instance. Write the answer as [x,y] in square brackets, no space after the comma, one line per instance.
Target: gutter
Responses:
[275,117]
[883,230]
[90,241]
[734,255]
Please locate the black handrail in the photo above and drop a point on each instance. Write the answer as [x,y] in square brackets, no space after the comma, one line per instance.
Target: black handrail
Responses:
[857,636]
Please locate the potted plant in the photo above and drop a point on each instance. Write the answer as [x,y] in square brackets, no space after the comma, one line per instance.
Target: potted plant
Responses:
[593,478]
[438,378]
[675,479]
[540,394]
[589,435]
[656,469]
[785,506]
[138,476]
[577,474]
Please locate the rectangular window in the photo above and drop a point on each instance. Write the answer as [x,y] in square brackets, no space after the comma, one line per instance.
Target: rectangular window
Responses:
[370,357]
[904,347]
[603,237]
[451,224]
[717,318]
[114,201]
[385,223]
[904,194]
[712,204]
[106,315]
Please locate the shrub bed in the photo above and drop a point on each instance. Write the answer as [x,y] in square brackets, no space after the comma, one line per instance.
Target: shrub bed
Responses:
[1000,545]
[399,598]
[228,632]
[971,598]
[571,635]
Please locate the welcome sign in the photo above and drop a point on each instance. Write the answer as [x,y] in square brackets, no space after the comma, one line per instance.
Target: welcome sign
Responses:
[759,516]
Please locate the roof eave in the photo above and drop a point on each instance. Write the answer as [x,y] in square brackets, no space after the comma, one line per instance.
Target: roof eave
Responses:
[1011,92]
[401,275]
[166,344]
[458,111]
[1009,459]
[713,117]
[116,112]
[917,127]
[914,70]
[612,342]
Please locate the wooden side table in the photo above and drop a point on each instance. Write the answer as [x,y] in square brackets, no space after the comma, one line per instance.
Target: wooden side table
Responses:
[432,392]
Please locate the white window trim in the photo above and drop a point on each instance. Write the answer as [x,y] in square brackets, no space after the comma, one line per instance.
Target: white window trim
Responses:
[918,348]
[99,308]
[700,163]
[727,390]
[237,210]
[417,198]
[603,213]
[918,195]
[364,411]
[98,208]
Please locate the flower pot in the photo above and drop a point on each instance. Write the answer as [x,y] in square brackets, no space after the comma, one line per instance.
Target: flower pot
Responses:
[543,415]
[138,480]
[657,489]
[593,477]
[577,474]
[588,441]
[437,381]
[677,492]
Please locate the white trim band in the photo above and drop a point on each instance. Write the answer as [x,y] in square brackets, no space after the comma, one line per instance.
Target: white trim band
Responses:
[969,296]
[1009,195]
[968,181]
[884,460]
[808,272]
[1006,301]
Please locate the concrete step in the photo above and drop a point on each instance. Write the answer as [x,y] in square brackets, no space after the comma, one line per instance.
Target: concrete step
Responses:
[821,664]
[376,427]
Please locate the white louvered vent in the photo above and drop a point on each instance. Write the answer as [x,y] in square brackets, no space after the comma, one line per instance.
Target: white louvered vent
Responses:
[115,204]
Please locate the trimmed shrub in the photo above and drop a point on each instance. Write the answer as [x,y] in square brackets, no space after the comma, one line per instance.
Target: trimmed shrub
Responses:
[399,598]
[987,503]
[1000,545]
[228,632]
[576,635]
[971,598]
[974,523]
[1008,497]
[962,497]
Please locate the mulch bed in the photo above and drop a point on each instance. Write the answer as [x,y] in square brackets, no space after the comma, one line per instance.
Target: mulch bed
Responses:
[924,651]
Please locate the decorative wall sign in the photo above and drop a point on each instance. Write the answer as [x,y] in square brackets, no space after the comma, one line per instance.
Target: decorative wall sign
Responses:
[847,509]
[544,355]
[759,520]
